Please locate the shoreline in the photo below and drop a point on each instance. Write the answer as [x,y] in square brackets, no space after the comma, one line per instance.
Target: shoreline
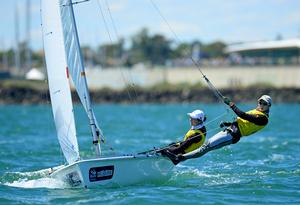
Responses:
[38,93]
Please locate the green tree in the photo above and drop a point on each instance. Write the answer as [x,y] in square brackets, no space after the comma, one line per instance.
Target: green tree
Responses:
[160,50]
[154,50]
[139,47]
[215,49]
[182,50]
[111,54]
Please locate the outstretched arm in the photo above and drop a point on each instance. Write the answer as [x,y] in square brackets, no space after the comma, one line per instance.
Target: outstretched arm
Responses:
[256,119]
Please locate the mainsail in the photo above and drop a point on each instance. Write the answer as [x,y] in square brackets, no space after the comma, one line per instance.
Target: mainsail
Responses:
[58,79]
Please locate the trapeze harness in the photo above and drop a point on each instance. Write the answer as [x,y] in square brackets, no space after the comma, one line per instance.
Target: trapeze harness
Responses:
[245,125]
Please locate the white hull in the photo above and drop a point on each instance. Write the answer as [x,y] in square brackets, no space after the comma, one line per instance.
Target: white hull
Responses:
[116,171]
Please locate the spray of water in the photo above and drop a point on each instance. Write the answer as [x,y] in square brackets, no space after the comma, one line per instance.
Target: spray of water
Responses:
[31,180]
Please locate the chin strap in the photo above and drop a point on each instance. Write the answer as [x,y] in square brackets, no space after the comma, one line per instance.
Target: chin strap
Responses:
[197,127]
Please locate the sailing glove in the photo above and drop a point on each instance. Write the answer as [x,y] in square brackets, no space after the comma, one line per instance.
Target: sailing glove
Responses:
[225,124]
[226,100]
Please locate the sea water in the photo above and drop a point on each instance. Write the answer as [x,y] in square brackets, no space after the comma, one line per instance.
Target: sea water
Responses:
[260,169]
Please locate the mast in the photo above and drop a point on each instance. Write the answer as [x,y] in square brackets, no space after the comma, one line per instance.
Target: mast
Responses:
[17,48]
[28,25]
[95,132]
[4,56]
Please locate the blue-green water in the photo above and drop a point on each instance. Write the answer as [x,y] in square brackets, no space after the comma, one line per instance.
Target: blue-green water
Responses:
[261,169]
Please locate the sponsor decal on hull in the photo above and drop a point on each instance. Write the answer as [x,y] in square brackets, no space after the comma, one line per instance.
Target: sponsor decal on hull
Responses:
[101,173]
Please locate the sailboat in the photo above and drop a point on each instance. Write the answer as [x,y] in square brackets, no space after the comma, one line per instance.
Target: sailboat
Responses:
[64,61]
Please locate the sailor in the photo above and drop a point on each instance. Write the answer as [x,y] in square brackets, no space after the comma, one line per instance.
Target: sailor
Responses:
[193,139]
[247,123]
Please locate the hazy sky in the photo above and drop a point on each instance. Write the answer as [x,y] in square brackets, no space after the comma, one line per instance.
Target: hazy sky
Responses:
[227,20]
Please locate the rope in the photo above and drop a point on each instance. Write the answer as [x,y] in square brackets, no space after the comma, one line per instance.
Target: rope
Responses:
[211,130]
[218,117]
[128,85]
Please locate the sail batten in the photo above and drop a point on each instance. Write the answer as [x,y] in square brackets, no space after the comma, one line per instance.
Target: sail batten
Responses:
[59,87]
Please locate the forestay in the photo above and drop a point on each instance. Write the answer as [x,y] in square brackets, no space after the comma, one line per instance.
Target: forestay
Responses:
[58,79]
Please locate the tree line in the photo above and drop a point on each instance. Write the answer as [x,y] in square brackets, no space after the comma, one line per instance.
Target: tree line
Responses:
[152,50]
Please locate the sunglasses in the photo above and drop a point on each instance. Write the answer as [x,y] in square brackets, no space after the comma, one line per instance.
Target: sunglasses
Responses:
[261,102]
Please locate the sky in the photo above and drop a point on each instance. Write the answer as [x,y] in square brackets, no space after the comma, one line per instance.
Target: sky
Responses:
[229,21]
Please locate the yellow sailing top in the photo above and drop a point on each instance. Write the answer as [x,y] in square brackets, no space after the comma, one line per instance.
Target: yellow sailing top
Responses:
[193,133]
[247,128]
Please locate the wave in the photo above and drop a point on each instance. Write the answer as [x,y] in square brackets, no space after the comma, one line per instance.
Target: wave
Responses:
[186,173]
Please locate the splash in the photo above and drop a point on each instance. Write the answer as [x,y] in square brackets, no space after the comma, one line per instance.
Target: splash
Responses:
[277,157]
[205,177]
[188,172]
[49,183]
[31,180]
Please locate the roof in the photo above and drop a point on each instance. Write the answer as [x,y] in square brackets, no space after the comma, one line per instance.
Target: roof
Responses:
[261,45]
[35,74]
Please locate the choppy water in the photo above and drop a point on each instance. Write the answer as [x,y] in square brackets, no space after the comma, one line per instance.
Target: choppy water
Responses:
[261,169]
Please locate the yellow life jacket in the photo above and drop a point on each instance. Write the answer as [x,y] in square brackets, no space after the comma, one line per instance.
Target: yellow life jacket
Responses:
[194,146]
[247,128]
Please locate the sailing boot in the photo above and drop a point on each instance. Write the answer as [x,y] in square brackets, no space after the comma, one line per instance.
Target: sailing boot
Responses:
[174,158]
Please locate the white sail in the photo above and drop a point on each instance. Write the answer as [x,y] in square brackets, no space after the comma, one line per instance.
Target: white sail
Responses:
[62,49]
[76,65]
[58,79]
[74,56]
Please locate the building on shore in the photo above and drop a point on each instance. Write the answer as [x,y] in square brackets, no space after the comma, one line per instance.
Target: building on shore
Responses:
[278,52]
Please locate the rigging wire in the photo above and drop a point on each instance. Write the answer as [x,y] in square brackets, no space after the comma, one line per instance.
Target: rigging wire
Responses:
[110,38]
[128,85]
[104,141]
[112,20]
[216,92]
[104,20]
